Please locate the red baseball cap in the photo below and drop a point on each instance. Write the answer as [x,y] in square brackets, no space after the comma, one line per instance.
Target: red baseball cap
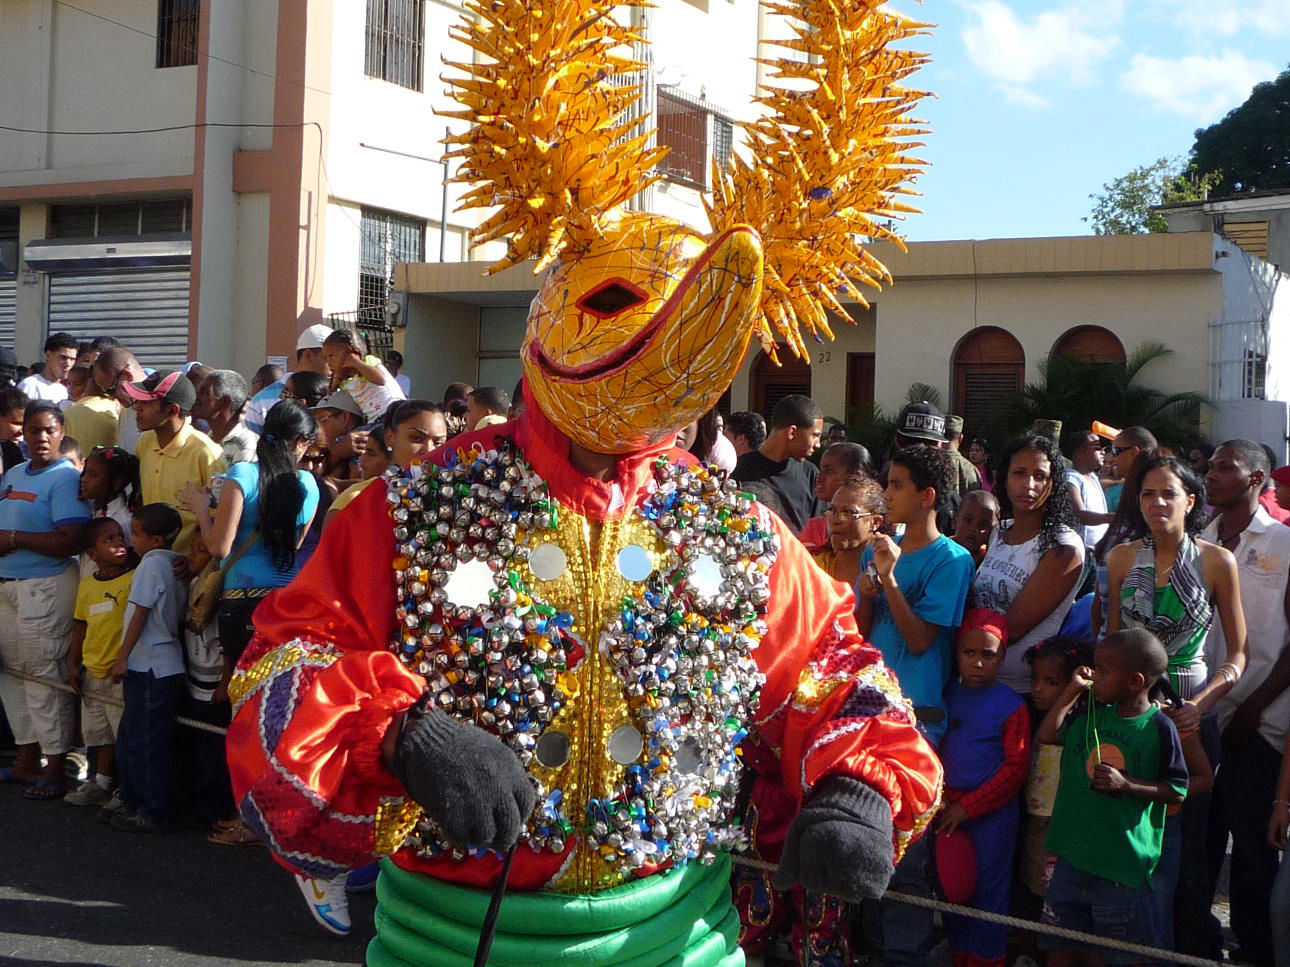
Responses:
[172,387]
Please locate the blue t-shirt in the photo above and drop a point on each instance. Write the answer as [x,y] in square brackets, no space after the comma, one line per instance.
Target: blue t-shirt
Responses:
[255,568]
[41,501]
[158,649]
[935,580]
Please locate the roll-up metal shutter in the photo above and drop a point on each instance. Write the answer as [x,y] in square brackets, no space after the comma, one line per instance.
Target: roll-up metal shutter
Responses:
[146,309]
[8,310]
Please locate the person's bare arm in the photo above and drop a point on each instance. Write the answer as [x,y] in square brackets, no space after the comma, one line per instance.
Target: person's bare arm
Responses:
[1221,576]
[1050,729]
[1118,560]
[131,638]
[64,541]
[1085,516]
[1044,591]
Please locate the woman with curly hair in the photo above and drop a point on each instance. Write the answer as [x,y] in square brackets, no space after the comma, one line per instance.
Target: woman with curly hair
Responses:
[1033,567]
[1172,584]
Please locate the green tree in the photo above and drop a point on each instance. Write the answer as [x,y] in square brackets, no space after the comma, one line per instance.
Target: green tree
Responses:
[1251,145]
[1079,391]
[1123,206]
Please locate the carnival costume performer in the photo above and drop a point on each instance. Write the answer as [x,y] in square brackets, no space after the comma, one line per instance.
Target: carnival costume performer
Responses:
[561,632]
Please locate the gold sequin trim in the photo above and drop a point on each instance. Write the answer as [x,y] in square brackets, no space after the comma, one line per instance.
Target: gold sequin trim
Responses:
[396,818]
[281,659]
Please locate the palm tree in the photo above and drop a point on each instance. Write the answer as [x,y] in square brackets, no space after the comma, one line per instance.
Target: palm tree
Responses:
[1079,391]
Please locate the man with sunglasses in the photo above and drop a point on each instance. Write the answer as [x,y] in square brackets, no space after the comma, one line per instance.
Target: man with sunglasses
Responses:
[94,419]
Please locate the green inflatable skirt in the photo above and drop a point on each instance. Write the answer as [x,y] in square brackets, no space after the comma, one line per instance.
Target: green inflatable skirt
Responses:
[679,919]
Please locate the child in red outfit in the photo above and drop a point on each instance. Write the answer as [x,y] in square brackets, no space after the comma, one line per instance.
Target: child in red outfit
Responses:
[986,755]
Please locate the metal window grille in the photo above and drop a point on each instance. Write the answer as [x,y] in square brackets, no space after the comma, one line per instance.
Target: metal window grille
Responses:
[177,25]
[388,238]
[683,127]
[723,140]
[1254,386]
[395,41]
[1238,359]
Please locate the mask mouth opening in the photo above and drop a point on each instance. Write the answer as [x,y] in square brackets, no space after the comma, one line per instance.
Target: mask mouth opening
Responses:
[610,298]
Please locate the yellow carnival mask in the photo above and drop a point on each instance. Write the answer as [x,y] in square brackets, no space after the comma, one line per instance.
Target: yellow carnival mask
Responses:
[643,332]
[642,322]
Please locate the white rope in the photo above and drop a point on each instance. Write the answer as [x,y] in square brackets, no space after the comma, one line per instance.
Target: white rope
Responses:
[108,700]
[1151,953]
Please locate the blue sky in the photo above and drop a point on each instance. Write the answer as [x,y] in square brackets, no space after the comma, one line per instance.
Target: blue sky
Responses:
[1039,102]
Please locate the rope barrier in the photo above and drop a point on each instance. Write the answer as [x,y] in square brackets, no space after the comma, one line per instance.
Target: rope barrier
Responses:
[64,687]
[1092,940]
[1151,953]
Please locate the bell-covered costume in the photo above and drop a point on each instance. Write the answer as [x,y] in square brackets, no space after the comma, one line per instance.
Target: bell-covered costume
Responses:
[561,631]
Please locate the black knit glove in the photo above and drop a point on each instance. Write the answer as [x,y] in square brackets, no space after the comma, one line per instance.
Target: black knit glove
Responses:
[465,779]
[840,843]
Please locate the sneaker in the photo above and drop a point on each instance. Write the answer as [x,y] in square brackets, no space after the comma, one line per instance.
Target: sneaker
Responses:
[139,823]
[327,902]
[363,879]
[90,793]
[111,808]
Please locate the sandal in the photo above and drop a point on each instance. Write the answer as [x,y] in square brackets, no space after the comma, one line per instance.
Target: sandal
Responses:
[224,825]
[240,835]
[46,789]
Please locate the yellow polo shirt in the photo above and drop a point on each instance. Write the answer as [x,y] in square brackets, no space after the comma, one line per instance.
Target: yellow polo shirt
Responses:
[163,473]
[93,422]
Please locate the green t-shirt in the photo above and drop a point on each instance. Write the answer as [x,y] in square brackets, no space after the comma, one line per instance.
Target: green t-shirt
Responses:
[1117,839]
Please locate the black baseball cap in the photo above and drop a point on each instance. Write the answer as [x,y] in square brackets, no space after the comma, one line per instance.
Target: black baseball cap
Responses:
[922,421]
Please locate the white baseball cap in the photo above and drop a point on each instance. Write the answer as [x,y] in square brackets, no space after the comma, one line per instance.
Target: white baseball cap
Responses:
[313,337]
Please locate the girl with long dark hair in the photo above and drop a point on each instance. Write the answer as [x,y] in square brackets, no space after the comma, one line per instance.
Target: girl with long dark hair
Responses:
[263,512]
[1033,566]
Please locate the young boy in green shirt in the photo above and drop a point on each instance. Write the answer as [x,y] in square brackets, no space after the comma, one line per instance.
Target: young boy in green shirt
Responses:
[1122,765]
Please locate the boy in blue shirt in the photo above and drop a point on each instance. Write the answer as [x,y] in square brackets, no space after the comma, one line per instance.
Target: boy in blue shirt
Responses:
[151,663]
[910,613]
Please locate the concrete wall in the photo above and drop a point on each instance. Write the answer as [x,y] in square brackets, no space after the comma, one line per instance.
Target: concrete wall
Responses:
[69,70]
[440,347]
[920,321]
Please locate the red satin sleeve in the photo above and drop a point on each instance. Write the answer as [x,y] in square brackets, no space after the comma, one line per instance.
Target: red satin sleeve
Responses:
[315,693]
[830,706]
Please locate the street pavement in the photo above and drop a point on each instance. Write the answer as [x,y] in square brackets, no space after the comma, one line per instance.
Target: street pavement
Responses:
[73,891]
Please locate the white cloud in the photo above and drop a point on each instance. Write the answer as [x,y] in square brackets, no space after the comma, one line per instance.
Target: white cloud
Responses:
[1199,87]
[1225,18]
[1065,44]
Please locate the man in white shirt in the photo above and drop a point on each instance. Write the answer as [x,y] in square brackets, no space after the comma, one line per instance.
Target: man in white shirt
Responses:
[48,383]
[309,357]
[1084,450]
[394,363]
[1255,713]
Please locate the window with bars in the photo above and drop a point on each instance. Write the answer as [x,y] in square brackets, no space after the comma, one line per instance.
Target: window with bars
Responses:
[388,238]
[395,41]
[1254,382]
[177,24]
[693,131]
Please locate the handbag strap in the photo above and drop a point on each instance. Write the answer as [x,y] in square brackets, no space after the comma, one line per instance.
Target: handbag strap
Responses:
[233,558]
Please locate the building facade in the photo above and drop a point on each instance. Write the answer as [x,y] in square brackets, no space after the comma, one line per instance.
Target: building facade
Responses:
[971,319]
[205,178]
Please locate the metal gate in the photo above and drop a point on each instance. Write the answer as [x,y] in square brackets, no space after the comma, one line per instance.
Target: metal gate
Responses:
[146,309]
[8,310]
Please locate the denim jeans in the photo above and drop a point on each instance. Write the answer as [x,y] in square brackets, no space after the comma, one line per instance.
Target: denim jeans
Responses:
[900,934]
[1279,914]
[145,744]
[1242,803]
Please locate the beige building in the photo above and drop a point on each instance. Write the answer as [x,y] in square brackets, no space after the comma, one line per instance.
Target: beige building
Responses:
[972,319]
[205,178]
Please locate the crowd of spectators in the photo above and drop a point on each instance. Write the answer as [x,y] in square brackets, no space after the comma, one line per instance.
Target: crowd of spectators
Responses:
[1092,631]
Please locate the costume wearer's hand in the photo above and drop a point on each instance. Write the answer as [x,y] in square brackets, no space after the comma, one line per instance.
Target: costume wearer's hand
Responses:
[465,779]
[840,843]
[951,818]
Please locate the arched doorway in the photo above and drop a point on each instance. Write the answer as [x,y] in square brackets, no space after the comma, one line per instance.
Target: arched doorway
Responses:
[771,383]
[989,366]
[1092,344]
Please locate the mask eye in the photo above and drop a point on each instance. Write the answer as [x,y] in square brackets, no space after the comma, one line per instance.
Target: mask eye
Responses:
[610,298]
